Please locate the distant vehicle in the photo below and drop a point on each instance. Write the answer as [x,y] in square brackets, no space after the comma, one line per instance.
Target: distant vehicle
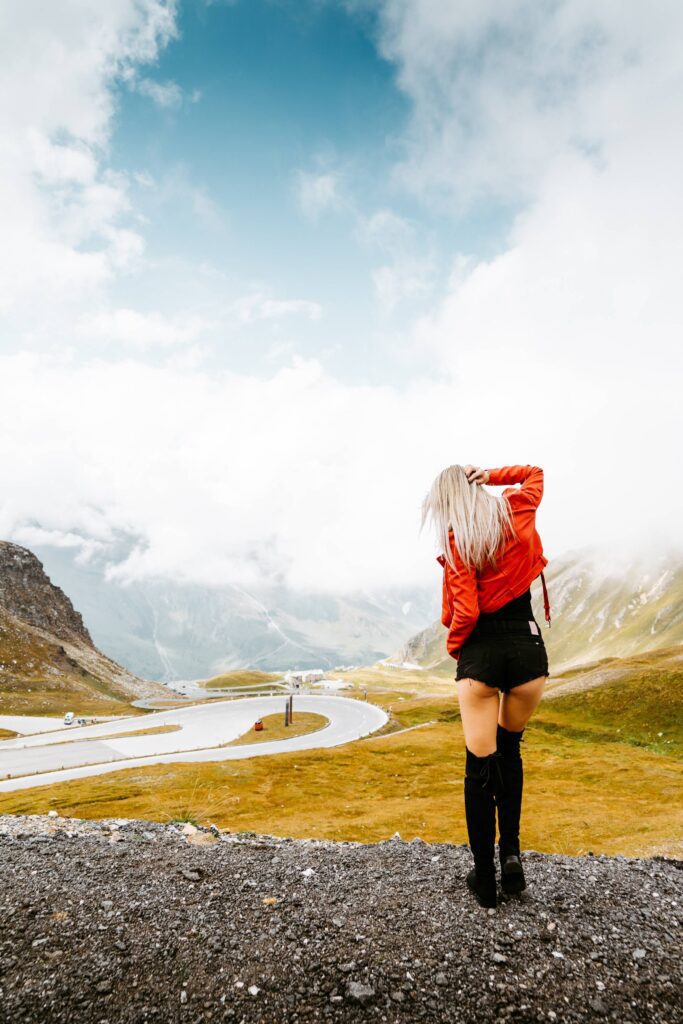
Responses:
[258,725]
[69,718]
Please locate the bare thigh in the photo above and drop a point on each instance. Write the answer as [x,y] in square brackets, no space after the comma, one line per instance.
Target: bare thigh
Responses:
[479,714]
[517,706]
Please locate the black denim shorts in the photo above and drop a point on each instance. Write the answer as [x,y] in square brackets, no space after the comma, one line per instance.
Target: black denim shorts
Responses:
[503,657]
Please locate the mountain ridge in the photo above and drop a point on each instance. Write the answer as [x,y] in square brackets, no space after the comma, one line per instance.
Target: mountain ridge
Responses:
[598,611]
[48,659]
[171,629]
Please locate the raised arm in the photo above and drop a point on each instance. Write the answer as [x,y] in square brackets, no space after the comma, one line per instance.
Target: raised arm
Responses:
[530,477]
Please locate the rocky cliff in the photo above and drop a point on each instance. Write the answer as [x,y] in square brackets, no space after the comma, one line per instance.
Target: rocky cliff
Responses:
[27,593]
[48,661]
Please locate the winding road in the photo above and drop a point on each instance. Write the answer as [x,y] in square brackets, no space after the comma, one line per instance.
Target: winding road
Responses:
[79,751]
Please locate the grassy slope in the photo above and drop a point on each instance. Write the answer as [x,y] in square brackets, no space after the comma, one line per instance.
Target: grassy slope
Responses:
[643,708]
[581,793]
[274,728]
[579,796]
[39,678]
[239,678]
[597,616]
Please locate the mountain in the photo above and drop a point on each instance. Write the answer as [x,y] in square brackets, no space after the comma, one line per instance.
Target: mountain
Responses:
[599,610]
[169,629]
[47,657]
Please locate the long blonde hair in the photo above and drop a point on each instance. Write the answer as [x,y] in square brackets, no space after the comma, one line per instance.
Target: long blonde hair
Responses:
[481,521]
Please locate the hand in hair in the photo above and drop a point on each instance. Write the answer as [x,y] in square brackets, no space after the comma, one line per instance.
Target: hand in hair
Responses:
[475,475]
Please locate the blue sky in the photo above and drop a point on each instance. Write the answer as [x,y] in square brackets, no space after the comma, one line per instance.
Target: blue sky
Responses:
[271,91]
[267,267]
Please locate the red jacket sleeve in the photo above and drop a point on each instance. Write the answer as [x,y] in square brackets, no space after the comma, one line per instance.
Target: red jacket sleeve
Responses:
[531,479]
[460,603]
[446,606]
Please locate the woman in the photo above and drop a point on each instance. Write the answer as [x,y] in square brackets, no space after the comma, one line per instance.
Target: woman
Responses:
[491,554]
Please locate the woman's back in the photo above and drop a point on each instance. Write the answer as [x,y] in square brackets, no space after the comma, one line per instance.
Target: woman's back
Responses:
[467,593]
[522,559]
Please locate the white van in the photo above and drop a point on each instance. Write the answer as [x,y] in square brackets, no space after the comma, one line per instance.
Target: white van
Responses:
[69,718]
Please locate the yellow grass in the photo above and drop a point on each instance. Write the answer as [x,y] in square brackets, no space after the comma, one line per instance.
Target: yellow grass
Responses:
[588,785]
[274,728]
[7,734]
[579,796]
[48,703]
[239,678]
[39,677]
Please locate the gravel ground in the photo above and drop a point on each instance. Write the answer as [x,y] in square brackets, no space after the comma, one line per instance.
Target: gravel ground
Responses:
[128,921]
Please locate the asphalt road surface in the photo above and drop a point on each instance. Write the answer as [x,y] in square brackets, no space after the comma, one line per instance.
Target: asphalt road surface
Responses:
[79,751]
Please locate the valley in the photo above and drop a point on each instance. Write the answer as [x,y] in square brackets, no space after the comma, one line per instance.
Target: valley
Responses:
[602,754]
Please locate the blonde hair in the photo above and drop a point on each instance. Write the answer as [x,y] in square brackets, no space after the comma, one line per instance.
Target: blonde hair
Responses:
[481,521]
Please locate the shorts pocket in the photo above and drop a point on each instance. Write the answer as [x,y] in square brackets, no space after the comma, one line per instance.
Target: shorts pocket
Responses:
[474,662]
[529,658]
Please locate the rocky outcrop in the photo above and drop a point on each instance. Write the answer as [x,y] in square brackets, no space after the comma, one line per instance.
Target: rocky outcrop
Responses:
[27,593]
[48,660]
[130,921]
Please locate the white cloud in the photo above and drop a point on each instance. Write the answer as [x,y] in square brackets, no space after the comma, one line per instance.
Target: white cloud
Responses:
[410,272]
[141,330]
[164,94]
[65,217]
[298,477]
[404,279]
[387,230]
[227,477]
[317,193]
[257,306]
[500,92]
[572,111]
[561,350]
[145,330]
[37,535]
[175,187]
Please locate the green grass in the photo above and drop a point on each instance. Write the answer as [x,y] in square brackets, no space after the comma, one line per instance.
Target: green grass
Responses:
[241,678]
[643,708]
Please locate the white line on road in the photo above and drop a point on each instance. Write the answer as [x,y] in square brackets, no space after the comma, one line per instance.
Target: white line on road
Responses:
[46,759]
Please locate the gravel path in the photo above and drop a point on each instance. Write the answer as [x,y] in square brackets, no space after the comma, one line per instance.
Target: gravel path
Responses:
[134,921]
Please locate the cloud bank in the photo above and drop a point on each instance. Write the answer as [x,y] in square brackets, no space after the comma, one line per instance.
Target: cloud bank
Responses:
[560,349]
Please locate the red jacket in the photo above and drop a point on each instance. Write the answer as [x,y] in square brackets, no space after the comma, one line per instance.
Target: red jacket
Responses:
[466,593]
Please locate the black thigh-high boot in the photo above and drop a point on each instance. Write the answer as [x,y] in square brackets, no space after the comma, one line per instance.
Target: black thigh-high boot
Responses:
[483,781]
[510,810]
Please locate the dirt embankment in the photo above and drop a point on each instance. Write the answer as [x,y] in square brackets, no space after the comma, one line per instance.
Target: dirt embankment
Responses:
[136,921]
